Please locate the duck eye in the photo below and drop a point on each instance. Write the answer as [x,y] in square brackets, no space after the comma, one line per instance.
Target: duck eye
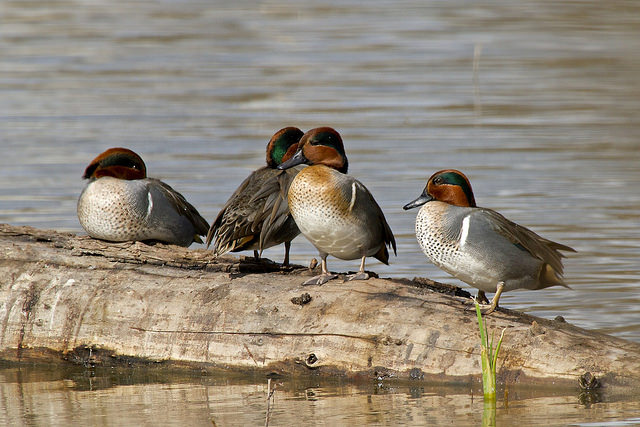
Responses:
[437,180]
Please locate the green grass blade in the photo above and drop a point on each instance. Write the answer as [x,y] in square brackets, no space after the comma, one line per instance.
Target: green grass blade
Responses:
[488,356]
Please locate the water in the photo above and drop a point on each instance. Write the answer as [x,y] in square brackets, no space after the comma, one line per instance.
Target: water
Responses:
[106,397]
[537,103]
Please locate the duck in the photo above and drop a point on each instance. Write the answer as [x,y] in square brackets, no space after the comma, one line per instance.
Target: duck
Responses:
[333,210]
[120,203]
[256,216]
[479,246]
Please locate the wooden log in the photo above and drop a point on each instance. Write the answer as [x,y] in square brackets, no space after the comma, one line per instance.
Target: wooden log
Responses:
[88,301]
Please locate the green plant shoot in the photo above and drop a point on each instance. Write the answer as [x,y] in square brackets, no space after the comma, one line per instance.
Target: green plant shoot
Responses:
[489,357]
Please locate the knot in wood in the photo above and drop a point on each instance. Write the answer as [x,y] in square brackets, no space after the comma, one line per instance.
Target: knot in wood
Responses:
[311,359]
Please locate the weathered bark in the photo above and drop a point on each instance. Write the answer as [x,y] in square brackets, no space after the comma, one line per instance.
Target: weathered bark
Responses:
[84,300]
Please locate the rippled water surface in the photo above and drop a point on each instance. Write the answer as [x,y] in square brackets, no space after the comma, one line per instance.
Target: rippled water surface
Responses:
[537,102]
[105,397]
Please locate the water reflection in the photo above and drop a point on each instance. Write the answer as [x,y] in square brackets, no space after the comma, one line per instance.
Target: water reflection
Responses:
[71,396]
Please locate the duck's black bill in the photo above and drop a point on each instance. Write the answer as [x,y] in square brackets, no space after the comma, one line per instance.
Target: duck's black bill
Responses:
[297,159]
[421,200]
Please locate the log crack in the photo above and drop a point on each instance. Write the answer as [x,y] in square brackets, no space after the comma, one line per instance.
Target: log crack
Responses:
[372,339]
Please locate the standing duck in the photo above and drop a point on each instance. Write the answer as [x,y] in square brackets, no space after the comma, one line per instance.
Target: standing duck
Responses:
[478,245]
[256,216]
[333,210]
[119,203]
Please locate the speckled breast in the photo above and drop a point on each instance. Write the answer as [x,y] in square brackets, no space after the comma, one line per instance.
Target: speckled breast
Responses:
[319,200]
[436,237]
[114,209]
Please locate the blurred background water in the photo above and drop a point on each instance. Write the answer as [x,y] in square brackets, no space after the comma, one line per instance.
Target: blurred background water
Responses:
[537,102]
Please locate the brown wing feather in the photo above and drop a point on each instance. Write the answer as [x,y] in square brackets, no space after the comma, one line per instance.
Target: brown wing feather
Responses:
[277,219]
[232,229]
[255,213]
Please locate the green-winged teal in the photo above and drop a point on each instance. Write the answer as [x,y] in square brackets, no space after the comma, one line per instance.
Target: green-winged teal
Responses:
[256,216]
[333,210]
[478,245]
[119,203]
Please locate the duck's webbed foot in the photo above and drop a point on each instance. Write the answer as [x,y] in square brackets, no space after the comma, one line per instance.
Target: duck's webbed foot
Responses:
[483,302]
[489,308]
[362,275]
[320,279]
[484,308]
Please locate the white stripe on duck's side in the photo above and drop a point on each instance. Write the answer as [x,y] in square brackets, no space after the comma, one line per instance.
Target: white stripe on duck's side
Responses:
[465,230]
[150,205]
[353,196]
